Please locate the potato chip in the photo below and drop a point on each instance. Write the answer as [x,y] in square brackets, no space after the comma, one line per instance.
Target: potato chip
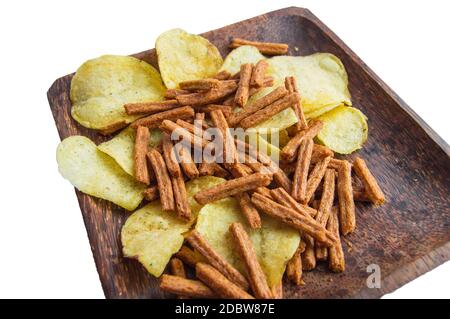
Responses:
[279,122]
[198,184]
[95,173]
[148,227]
[102,86]
[153,236]
[318,112]
[121,147]
[344,129]
[321,78]
[242,55]
[275,243]
[183,57]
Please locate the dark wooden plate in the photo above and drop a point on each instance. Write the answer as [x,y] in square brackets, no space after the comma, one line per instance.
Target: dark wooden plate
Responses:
[407,237]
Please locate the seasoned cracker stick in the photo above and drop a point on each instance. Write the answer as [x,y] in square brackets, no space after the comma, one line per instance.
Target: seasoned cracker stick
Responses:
[232,187]
[267,82]
[204,84]
[177,269]
[229,101]
[257,278]
[320,152]
[206,169]
[335,164]
[222,75]
[258,74]
[327,199]
[291,85]
[196,130]
[185,287]
[150,107]
[291,217]
[269,111]
[259,104]
[290,149]
[315,177]
[345,194]
[169,156]
[309,255]
[212,96]
[212,169]
[186,162]
[241,97]
[173,128]
[336,260]
[140,150]
[326,202]
[219,283]
[253,151]
[283,198]
[300,179]
[214,259]
[163,180]
[151,193]
[282,180]
[268,48]
[294,269]
[173,93]
[229,148]
[181,200]
[371,186]
[248,210]
[226,109]
[154,120]
[188,256]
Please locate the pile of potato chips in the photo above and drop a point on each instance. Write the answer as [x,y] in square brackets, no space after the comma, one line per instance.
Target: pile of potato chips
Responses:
[102,86]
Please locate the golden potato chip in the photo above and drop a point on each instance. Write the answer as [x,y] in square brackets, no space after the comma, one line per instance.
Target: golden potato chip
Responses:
[153,236]
[103,85]
[279,122]
[121,147]
[275,243]
[183,56]
[344,129]
[321,78]
[320,111]
[198,184]
[95,173]
[239,56]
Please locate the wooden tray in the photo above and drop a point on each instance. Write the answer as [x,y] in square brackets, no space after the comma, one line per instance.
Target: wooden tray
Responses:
[407,237]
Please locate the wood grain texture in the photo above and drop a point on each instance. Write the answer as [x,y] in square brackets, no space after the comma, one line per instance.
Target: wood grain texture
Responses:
[406,237]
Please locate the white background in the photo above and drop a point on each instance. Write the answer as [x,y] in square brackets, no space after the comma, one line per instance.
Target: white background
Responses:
[44,247]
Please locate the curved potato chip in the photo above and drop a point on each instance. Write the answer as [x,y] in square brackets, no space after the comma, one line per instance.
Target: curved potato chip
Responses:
[344,129]
[153,236]
[275,243]
[103,85]
[97,174]
[321,78]
[148,227]
[183,56]
[320,111]
[198,184]
[241,55]
[121,147]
